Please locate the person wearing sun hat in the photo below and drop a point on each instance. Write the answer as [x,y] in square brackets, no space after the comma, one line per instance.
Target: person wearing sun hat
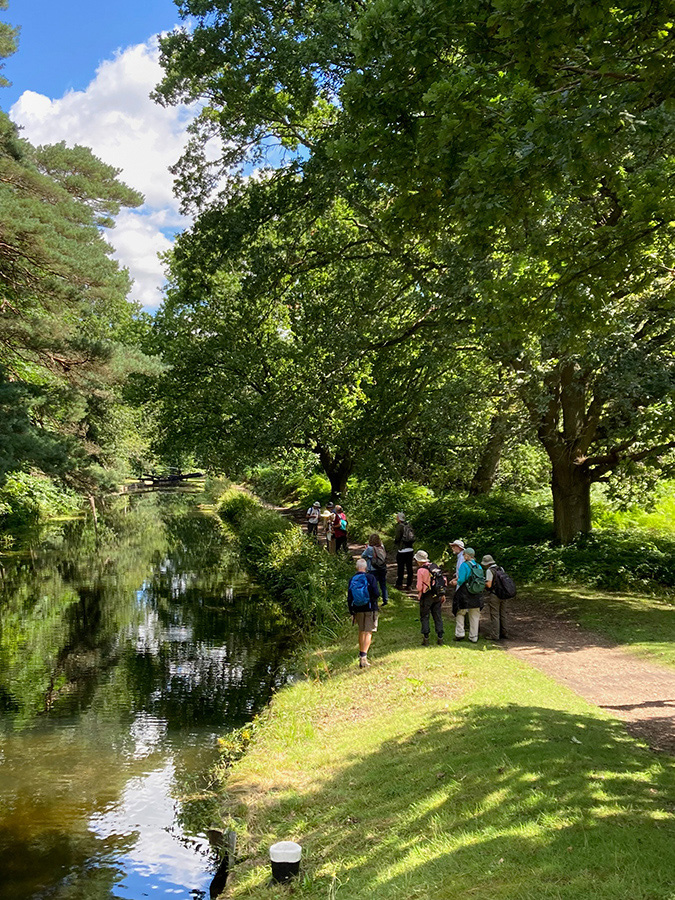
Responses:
[498,606]
[465,600]
[430,595]
[313,515]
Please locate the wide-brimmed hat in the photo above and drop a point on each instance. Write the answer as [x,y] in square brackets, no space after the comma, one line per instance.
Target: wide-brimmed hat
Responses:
[487,560]
[330,505]
[459,544]
[317,504]
[421,556]
[469,551]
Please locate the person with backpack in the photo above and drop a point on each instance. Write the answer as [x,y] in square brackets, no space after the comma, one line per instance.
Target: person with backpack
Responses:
[328,516]
[404,540]
[431,586]
[313,515]
[340,530]
[468,596]
[500,589]
[376,557]
[362,595]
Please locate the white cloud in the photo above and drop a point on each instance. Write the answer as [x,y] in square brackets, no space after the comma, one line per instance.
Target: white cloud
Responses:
[125,128]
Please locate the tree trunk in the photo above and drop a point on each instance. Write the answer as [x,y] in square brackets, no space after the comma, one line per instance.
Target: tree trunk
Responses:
[571,489]
[337,469]
[488,464]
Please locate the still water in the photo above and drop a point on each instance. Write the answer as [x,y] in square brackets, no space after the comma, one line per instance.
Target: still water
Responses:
[124,655]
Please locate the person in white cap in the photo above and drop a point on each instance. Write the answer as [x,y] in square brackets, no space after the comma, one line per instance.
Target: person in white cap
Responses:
[457,548]
[313,515]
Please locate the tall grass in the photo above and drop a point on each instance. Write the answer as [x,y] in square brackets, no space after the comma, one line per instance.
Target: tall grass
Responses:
[310,585]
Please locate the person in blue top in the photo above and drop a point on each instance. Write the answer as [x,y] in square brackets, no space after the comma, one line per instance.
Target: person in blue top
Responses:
[468,596]
[362,595]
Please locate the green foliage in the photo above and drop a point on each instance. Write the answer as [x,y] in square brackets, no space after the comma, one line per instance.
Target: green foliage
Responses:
[26,498]
[482,201]
[69,337]
[519,535]
[310,585]
[373,506]
[289,484]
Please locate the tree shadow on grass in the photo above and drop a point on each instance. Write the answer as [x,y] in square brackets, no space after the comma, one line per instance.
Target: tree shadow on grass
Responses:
[513,801]
[612,618]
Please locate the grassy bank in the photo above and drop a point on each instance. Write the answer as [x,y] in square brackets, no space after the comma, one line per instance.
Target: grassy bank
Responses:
[444,773]
[307,582]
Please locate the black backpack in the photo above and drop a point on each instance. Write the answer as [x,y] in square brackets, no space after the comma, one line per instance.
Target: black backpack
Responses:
[439,582]
[408,536]
[502,584]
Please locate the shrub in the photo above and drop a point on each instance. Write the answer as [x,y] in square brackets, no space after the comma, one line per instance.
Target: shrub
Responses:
[309,584]
[27,498]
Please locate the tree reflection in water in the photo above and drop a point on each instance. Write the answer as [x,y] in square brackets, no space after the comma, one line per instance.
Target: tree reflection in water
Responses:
[123,654]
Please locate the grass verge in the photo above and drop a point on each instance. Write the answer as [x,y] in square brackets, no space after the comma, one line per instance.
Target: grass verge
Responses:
[644,625]
[448,772]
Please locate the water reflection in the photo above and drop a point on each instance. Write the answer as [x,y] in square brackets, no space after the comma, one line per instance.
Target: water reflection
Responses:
[122,657]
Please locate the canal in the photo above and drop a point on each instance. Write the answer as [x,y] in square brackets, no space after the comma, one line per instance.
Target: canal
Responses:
[125,654]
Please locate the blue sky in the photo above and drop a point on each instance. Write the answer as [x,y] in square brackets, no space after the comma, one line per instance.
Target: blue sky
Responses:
[82,74]
[61,44]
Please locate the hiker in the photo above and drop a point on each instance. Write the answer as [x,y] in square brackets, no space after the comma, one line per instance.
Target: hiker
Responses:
[362,597]
[340,530]
[376,557]
[312,515]
[328,516]
[468,596]
[500,589]
[431,585]
[404,540]
[457,548]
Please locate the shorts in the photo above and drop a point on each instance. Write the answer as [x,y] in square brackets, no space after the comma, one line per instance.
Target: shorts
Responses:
[367,621]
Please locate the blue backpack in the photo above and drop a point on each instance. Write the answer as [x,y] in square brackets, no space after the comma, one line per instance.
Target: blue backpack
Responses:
[360,592]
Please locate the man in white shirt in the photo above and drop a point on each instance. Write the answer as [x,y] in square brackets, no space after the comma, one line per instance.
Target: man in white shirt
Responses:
[457,548]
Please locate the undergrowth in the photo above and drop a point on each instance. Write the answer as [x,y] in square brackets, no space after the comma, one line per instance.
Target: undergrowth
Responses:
[623,554]
[309,583]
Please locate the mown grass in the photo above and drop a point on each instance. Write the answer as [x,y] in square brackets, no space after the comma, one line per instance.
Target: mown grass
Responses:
[643,625]
[448,772]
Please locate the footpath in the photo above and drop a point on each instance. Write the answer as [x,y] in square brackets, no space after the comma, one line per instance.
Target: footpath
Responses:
[635,690]
[639,692]
[455,771]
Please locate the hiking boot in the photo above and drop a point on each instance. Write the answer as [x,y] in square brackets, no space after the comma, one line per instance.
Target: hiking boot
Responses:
[363,663]
[425,640]
[459,639]
[439,641]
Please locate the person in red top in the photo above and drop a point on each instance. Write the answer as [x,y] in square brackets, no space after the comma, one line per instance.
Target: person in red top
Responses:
[430,602]
[340,533]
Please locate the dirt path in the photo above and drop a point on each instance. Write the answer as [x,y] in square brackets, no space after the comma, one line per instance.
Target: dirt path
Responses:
[640,693]
[635,690]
